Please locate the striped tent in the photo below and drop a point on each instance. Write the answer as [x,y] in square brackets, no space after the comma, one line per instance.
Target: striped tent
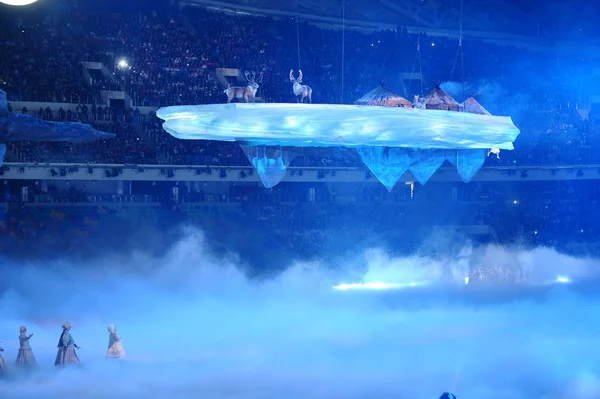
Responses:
[382,96]
[439,99]
[472,106]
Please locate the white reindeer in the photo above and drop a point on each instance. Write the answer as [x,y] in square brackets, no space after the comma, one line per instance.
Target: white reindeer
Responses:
[419,103]
[249,91]
[300,91]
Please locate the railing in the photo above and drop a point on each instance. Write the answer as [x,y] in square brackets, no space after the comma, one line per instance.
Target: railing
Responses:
[55,116]
[190,199]
[55,98]
[90,199]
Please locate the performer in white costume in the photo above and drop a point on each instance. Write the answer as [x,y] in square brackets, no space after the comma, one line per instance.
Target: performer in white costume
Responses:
[25,356]
[115,347]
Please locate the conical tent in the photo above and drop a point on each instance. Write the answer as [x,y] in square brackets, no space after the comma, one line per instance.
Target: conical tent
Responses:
[472,106]
[439,99]
[385,97]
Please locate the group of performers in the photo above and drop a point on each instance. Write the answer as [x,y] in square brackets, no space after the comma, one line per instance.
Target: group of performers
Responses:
[66,349]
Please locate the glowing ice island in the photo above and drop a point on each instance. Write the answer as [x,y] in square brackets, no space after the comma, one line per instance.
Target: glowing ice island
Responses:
[390,140]
[324,125]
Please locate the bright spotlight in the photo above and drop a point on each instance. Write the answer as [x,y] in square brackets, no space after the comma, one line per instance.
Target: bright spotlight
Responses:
[18,2]
[563,280]
[123,64]
[467,280]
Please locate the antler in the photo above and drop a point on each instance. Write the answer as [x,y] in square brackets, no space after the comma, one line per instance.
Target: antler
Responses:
[299,75]
[253,76]
[260,78]
[292,75]
[247,74]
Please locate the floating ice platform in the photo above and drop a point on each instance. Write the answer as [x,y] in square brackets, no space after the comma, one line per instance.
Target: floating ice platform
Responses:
[16,126]
[325,125]
[390,141]
[20,127]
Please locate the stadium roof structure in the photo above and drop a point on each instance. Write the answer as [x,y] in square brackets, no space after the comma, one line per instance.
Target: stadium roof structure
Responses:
[546,19]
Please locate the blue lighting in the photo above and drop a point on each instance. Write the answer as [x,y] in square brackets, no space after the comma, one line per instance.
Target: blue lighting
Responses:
[325,125]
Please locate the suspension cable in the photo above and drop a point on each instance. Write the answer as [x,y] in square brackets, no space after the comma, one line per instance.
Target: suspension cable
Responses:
[462,54]
[459,51]
[343,46]
[298,35]
[417,58]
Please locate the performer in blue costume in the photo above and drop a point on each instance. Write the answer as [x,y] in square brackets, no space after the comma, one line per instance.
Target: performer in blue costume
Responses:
[66,355]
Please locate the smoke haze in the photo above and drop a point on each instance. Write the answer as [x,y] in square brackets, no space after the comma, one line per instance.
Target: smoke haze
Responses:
[194,325]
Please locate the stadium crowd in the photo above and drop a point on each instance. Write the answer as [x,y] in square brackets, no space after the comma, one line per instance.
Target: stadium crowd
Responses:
[161,60]
[249,218]
[171,59]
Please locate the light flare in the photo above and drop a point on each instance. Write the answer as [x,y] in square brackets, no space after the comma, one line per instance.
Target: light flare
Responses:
[374,286]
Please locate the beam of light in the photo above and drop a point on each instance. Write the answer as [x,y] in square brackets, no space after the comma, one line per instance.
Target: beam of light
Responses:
[18,2]
[374,286]
[467,280]
[563,280]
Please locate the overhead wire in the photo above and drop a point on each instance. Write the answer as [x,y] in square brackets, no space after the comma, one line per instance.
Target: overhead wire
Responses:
[417,58]
[343,47]
[298,35]
[460,51]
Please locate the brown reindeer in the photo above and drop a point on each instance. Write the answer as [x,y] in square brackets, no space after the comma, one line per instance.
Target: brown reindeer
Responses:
[300,91]
[249,91]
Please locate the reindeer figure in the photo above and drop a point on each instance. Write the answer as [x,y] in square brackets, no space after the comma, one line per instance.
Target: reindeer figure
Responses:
[244,92]
[495,151]
[419,103]
[300,91]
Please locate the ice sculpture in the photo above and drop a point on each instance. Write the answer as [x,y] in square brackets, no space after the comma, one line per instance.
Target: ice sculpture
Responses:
[390,140]
[467,162]
[269,162]
[387,164]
